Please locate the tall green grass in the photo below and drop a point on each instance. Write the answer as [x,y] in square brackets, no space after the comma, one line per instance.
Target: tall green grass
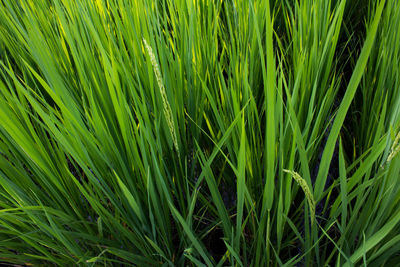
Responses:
[199,133]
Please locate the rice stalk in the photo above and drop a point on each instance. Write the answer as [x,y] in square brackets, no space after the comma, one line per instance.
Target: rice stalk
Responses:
[166,105]
[307,191]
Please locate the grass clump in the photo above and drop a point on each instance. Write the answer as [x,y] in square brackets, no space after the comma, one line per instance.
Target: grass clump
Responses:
[168,133]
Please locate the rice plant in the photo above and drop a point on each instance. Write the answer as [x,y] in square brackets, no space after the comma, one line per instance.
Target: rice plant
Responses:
[199,133]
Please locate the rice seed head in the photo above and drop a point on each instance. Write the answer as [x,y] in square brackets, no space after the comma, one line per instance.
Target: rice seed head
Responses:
[166,105]
[306,189]
[395,148]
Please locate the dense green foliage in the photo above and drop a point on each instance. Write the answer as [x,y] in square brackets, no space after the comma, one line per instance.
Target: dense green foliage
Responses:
[200,132]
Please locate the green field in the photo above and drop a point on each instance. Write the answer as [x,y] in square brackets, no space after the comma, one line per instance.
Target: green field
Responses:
[200,132]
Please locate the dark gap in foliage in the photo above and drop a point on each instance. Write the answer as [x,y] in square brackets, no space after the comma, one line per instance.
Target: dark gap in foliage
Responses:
[351,40]
[215,244]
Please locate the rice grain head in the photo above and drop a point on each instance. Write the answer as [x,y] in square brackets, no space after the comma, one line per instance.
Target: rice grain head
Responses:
[306,189]
[395,148]
[166,105]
